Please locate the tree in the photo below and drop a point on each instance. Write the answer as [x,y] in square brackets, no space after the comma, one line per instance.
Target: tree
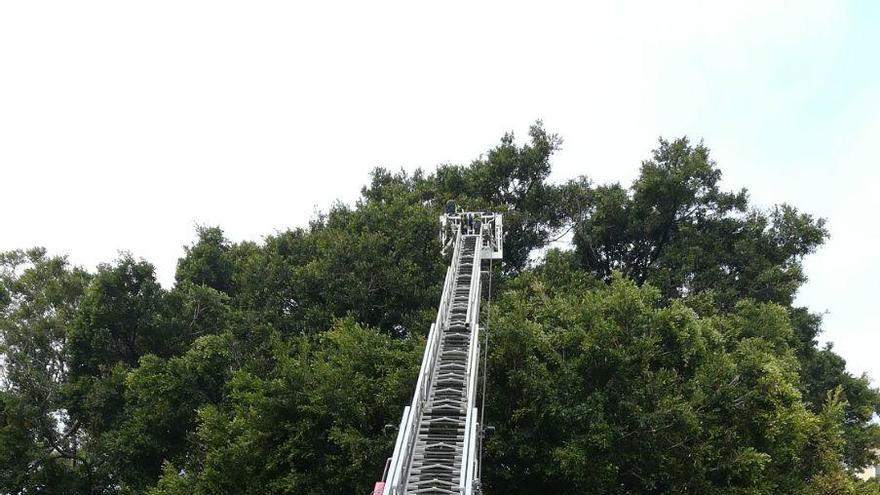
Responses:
[511,179]
[677,230]
[162,397]
[39,448]
[123,315]
[313,424]
[376,263]
[207,262]
[662,354]
[605,389]
[120,319]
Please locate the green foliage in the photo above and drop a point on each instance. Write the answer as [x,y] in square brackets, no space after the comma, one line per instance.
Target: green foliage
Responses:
[677,230]
[315,423]
[511,179]
[377,262]
[120,319]
[605,390]
[208,262]
[869,487]
[16,447]
[161,402]
[661,355]
[38,447]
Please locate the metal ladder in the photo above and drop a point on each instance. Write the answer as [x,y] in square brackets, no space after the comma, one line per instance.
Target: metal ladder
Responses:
[436,449]
[436,464]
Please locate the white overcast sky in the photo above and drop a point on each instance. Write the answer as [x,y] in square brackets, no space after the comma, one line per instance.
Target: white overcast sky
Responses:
[125,124]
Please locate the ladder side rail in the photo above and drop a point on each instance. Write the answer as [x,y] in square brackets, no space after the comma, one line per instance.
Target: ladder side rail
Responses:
[407,434]
[468,458]
[466,454]
[469,469]
[499,235]
[469,461]
[398,483]
[391,475]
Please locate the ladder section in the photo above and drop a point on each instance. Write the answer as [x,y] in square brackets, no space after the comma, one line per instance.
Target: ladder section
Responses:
[436,465]
[436,450]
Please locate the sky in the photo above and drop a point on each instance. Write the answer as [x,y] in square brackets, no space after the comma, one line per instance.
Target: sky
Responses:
[123,125]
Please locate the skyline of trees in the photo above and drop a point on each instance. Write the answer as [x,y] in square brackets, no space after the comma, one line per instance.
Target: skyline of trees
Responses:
[661,352]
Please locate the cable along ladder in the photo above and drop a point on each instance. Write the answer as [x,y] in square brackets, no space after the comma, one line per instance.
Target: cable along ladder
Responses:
[436,447]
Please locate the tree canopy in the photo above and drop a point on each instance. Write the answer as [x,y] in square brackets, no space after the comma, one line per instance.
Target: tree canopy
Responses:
[642,340]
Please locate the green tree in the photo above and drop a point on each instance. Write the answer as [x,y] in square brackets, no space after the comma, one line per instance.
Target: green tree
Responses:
[39,449]
[607,390]
[162,397]
[663,354]
[677,230]
[510,178]
[122,316]
[207,262]
[120,319]
[313,424]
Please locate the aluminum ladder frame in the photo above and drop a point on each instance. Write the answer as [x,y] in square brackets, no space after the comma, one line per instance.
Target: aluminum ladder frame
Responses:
[436,447]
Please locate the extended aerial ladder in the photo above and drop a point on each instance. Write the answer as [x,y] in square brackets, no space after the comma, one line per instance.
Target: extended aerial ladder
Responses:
[436,449]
